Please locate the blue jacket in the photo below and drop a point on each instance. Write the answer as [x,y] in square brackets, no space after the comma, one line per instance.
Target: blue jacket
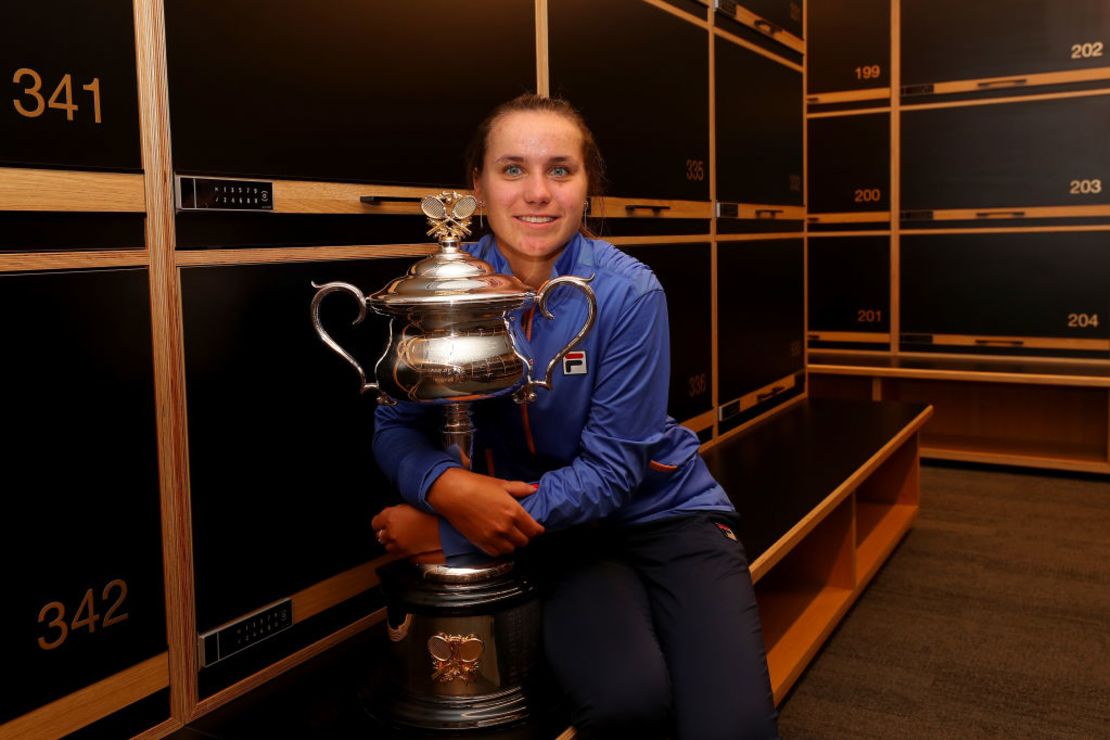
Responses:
[600,444]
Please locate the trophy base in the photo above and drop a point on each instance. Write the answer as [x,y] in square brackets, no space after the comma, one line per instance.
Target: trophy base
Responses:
[466,650]
[429,715]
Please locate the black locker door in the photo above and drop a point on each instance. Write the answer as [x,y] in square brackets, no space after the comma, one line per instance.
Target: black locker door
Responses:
[946,40]
[80,523]
[760,317]
[849,164]
[685,273]
[759,128]
[640,76]
[784,14]
[284,482]
[362,90]
[848,45]
[1007,155]
[1018,285]
[69,72]
[849,284]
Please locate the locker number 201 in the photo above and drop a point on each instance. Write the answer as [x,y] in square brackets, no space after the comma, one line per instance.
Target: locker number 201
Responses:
[1085,187]
[53,615]
[1086,51]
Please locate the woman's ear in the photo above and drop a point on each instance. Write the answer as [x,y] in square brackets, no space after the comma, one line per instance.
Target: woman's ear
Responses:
[476,184]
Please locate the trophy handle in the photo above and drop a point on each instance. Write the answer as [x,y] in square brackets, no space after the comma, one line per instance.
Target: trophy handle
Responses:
[527,392]
[324,290]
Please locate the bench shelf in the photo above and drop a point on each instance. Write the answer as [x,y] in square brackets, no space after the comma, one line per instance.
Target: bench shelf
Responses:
[1033,414]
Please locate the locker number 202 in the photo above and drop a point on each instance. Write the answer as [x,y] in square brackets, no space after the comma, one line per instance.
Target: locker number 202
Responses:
[1086,51]
[53,615]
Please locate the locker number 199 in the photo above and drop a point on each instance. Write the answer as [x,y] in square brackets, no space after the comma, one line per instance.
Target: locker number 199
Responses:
[868,72]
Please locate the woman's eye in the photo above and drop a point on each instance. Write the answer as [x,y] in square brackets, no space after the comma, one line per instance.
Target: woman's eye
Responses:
[513,170]
[560,171]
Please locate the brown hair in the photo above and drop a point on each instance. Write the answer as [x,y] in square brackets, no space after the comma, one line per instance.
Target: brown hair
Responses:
[591,155]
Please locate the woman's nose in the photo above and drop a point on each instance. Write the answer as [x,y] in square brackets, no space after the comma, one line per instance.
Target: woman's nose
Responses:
[536,189]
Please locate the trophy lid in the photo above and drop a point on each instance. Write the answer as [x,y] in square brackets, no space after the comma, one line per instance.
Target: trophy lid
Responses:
[451,276]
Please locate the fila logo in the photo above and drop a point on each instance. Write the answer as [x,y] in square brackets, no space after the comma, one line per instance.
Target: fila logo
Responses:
[574,363]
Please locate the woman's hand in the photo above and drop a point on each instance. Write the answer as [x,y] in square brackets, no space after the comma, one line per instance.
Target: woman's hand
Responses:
[485,510]
[410,533]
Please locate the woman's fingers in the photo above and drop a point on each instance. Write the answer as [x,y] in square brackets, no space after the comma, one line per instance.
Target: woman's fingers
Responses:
[520,489]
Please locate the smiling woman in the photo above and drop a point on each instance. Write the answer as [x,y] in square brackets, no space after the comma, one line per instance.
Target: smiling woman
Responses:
[649,616]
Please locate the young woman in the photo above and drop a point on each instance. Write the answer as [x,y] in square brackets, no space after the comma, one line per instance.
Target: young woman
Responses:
[650,622]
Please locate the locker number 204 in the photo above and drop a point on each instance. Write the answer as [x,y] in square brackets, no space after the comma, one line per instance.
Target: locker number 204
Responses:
[1082,320]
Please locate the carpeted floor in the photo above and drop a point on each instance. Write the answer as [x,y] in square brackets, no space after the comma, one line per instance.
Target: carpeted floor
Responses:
[992,619]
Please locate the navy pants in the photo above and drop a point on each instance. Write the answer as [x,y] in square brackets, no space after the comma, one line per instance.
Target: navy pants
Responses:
[652,630]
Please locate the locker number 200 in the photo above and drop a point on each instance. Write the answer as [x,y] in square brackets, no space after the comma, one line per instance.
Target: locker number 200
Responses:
[1085,187]
[1086,51]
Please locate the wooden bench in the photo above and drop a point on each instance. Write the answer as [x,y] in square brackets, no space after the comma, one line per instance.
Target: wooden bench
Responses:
[825,490]
[1036,413]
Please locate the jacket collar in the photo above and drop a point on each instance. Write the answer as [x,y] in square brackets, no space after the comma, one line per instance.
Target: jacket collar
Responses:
[577,257]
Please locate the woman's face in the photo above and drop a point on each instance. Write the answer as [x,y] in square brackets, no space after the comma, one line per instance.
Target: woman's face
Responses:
[533,183]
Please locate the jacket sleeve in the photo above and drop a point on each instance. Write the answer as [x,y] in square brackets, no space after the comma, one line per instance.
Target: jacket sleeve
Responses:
[625,422]
[406,450]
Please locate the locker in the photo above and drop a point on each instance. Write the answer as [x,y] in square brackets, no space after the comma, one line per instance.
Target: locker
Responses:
[760,319]
[848,45]
[62,53]
[849,164]
[80,527]
[772,17]
[759,128]
[1007,155]
[849,286]
[284,482]
[945,40]
[684,271]
[379,91]
[47,231]
[649,111]
[1038,285]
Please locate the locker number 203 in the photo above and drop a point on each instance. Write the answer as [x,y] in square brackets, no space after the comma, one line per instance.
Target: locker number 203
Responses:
[58,627]
[1085,187]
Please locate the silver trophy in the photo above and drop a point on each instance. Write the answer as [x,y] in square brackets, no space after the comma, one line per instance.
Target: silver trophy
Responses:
[465,638]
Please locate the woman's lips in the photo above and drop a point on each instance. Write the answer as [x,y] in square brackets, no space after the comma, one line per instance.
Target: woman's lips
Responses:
[535,222]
